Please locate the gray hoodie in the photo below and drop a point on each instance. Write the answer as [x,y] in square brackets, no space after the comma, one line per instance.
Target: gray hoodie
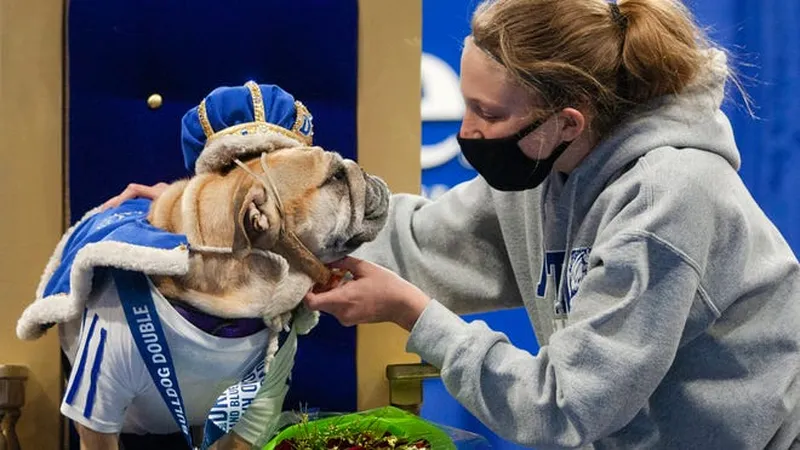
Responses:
[666,304]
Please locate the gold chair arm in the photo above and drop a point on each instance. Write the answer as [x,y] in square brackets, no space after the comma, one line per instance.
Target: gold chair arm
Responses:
[12,398]
[405,384]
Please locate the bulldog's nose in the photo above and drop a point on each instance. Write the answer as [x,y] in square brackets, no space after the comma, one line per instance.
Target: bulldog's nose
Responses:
[377,199]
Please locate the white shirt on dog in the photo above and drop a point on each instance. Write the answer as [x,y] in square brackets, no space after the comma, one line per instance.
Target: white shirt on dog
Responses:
[110,389]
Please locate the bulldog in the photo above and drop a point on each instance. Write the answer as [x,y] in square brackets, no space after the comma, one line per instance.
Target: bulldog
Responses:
[263,231]
[259,234]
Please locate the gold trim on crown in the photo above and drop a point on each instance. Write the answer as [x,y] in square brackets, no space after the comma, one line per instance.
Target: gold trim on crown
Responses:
[258,102]
[301,116]
[203,116]
[258,128]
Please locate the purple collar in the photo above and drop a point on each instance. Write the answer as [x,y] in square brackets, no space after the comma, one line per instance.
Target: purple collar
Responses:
[218,326]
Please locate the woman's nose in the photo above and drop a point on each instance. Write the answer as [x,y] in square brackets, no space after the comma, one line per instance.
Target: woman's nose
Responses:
[469,128]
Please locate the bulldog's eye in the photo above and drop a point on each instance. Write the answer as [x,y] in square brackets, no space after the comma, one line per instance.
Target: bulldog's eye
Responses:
[339,175]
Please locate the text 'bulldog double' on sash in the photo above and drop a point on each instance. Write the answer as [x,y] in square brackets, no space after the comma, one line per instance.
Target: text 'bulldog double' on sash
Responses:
[145,326]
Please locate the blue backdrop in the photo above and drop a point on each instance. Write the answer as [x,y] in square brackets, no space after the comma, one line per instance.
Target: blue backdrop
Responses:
[761,34]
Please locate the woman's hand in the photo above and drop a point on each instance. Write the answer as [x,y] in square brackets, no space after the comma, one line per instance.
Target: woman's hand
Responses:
[133,191]
[374,295]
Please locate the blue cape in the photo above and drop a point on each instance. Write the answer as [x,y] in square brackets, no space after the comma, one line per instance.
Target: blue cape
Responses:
[119,237]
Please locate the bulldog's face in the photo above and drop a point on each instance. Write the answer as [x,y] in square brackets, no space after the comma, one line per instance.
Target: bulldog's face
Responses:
[330,203]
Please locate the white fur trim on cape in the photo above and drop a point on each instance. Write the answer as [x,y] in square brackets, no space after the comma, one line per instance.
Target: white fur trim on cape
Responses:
[55,259]
[61,308]
[220,152]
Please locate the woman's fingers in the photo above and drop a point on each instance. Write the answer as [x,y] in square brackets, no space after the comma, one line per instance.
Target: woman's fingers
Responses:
[318,302]
[328,300]
[358,267]
[135,190]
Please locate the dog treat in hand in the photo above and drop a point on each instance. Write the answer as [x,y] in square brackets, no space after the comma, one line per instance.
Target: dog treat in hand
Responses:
[338,277]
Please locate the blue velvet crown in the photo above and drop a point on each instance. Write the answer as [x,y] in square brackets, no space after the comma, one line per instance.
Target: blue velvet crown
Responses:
[236,121]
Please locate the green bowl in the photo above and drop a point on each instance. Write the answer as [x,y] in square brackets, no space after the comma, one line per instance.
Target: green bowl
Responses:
[378,421]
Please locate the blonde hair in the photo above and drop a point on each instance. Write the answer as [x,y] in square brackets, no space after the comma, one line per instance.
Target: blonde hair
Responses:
[576,53]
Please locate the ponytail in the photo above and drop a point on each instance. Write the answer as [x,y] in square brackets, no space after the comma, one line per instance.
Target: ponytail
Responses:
[661,51]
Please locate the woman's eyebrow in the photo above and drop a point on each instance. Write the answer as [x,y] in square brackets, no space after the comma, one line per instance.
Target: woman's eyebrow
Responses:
[484,103]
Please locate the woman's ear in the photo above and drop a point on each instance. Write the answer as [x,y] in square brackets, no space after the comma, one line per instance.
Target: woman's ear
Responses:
[571,124]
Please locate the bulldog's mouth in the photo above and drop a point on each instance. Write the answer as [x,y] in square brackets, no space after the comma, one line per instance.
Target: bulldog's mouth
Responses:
[342,247]
[352,244]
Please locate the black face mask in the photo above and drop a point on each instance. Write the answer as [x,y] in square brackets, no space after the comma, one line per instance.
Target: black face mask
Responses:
[502,163]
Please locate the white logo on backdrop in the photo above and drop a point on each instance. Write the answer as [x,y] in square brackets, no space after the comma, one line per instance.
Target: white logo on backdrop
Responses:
[441,102]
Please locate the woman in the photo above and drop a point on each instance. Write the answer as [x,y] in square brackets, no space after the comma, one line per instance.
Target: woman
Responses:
[665,303]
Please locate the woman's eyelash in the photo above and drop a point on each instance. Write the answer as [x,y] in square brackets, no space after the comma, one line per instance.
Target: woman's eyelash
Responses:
[489,117]
[486,115]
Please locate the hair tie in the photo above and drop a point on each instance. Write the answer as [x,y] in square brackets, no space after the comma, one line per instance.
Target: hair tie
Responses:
[622,74]
[618,17]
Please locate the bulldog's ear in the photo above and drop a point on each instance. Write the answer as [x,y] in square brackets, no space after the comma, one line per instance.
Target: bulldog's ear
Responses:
[256,219]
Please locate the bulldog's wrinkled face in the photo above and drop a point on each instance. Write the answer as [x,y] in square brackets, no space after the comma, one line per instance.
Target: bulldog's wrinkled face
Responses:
[330,203]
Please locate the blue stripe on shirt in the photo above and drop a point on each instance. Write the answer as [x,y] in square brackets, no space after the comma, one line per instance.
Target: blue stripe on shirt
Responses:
[76,381]
[98,359]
